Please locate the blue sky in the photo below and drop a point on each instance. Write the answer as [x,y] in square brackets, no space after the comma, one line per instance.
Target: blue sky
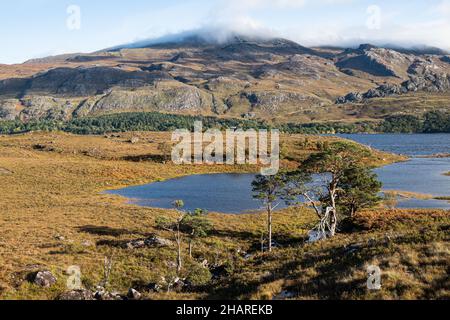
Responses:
[36,28]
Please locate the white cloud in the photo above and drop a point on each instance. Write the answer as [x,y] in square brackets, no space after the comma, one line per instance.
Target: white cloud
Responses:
[443,8]
[396,28]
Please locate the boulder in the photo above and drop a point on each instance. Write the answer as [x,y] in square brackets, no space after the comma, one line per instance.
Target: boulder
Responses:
[103,295]
[152,242]
[178,285]
[429,82]
[44,279]
[352,97]
[77,295]
[134,294]
[134,140]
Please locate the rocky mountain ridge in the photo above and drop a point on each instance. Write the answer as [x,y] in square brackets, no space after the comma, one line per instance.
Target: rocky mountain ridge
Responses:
[271,79]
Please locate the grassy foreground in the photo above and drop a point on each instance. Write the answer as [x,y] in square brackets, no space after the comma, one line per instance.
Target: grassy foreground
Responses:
[53,215]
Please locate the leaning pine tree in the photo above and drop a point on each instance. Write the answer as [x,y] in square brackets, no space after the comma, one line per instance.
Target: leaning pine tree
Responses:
[269,190]
[345,183]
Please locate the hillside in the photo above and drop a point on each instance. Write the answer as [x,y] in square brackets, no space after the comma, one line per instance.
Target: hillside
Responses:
[269,79]
[69,220]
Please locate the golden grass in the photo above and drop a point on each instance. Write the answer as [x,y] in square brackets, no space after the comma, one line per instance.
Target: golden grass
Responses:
[53,214]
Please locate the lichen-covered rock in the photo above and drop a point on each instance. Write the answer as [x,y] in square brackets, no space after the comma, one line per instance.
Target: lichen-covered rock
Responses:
[10,109]
[77,295]
[44,279]
[165,98]
[430,82]
[272,101]
[134,294]
[380,62]
[152,242]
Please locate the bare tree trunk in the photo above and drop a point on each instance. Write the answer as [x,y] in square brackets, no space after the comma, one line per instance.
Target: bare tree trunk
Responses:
[333,223]
[179,261]
[333,213]
[269,225]
[262,243]
[190,248]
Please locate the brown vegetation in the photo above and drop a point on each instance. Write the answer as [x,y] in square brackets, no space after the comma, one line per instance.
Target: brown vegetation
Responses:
[53,215]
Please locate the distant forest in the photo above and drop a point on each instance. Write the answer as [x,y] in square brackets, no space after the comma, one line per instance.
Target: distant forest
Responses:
[431,122]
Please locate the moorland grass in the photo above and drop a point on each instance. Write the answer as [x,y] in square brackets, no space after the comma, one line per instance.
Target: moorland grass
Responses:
[54,214]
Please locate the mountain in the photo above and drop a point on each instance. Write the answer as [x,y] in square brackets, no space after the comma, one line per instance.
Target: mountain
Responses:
[240,76]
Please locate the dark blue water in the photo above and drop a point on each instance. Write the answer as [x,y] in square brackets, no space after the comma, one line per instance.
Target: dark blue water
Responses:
[227,193]
[420,174]
[231,193]
[412,145]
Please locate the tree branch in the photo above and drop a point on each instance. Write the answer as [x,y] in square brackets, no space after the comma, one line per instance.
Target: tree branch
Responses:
[313,204]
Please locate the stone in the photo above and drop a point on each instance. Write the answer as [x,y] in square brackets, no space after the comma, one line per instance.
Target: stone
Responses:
[77,295]
[427,82]
[178,285]
[44,279]
[134,140]
[134,294]
[152,242]
[104,295]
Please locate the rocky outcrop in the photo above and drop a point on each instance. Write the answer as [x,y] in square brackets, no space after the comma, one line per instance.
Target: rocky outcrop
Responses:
[248,77]
[44,279]
[427,83]
[78,82]
[46,107]
[10,109]
[166,98]
[152,242]
[422,67]
[305,66]
[375,61]
[134,294]
[272,101]
[77,295]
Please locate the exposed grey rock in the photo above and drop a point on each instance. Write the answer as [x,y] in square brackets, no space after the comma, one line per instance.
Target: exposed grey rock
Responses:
[9,109]
[352,97]
[60,237]
[152,242]
[178,285]
[44,279]
[430,82]
[134,140]
[103,295]
[375,61]
[78,82]
[77,295]
[271,101]
[134,295]
[175,99]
